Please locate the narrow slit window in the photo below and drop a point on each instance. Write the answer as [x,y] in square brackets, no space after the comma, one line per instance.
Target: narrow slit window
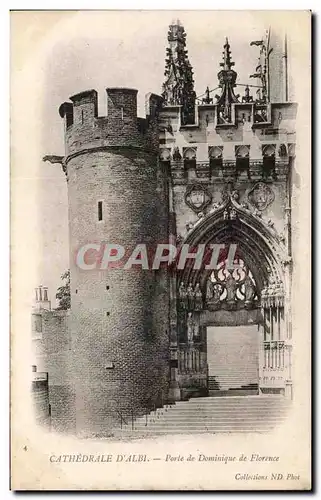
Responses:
[100,210]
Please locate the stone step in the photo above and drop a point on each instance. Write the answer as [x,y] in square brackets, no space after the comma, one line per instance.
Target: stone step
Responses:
[241,399]
[230,404]
[204,429]
[221,424]
[197,431]
[213,416]
[226,414]
[213,410]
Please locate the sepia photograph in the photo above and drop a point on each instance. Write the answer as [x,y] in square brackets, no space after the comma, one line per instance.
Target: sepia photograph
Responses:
[161,248]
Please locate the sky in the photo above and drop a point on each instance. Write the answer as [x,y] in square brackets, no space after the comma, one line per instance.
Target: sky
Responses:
[76,51]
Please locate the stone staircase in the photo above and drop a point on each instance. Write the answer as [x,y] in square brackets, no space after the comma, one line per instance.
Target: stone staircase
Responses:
[238,414]
[232,355]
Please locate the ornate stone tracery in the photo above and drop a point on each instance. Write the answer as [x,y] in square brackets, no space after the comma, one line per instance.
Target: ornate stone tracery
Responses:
[231,288]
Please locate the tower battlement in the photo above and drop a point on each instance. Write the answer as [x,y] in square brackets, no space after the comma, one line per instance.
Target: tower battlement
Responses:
[121,127]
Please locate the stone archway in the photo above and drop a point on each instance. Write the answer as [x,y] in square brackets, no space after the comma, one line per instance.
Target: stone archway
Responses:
[263,256]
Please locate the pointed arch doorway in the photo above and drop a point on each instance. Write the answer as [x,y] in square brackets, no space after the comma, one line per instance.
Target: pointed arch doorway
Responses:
[232,320]
[256,295]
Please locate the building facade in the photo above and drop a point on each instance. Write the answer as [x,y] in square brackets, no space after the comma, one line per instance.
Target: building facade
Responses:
[202,170]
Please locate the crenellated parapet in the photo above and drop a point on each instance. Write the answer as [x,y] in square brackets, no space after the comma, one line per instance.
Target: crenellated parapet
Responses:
[258,143]
[120,128]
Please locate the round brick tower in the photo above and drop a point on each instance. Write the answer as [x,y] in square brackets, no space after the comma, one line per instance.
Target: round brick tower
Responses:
[118,194]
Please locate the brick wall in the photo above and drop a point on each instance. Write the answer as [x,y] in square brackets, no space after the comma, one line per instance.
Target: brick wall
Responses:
[119,318]
[120,127]
[52,354]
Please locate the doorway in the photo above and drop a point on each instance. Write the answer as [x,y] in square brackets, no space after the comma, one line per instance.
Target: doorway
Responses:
[233,360]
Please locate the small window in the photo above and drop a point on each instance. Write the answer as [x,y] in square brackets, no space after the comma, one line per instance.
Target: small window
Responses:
[82,117]
[100,210]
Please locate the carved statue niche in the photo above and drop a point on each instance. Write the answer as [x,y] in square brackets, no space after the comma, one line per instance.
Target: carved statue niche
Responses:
[249,291]
[182,294]
[190,297]
[231,288]
[196,327]
[209,290]
[213,295]
[217,290]
[198,298]
[190,327]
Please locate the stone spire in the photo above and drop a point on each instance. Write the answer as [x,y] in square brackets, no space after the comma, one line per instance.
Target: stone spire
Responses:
[178,88]
[227,78]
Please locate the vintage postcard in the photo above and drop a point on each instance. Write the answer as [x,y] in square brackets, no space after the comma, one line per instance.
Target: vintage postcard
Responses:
[160,262]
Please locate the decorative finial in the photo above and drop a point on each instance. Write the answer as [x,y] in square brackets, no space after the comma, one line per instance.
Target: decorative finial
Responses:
[227,78]
[207,99]
[227,62]
[247,97]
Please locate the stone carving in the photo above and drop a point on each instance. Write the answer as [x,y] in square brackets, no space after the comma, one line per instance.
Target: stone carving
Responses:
[197,197]
[231,287]
[235,195]
[230,213]
[182,294]
[217,290]
[249,291]
[282,151]
[260,115]
[233,214]
[215,207]
[247,97]
[189,226]
[190,327]
[190,297]
[196,329]
[272,295]
[198,298]
[207,99]
[281,237]
[261,196]
[257,213]
[176,154]
[287,261]
[209,290]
